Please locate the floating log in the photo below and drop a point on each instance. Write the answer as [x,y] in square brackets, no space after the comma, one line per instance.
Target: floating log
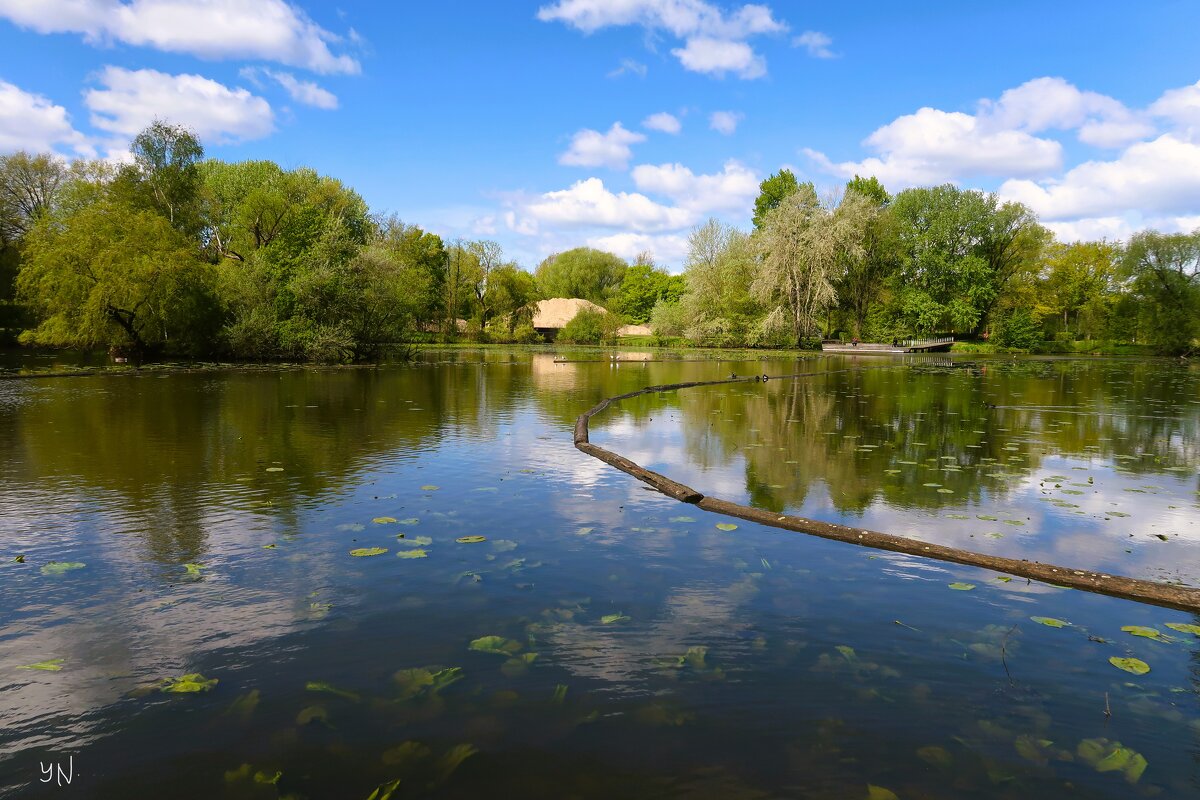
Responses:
[1155,593]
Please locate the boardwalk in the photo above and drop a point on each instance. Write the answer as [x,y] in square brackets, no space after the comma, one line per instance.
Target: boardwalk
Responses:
[935,345]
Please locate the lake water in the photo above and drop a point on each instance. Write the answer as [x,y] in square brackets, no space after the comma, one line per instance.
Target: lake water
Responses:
[602,640]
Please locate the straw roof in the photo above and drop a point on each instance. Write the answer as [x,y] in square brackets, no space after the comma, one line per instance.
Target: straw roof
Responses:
[556,313]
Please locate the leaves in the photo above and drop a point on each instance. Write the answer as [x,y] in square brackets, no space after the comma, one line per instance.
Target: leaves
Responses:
[495,644]
[879,793]
[417,553]
[50,665]
[327,688]
[1184,627]
[471,539]
[189,684]
[364,552]
[1050,622]
[61,567]
[726,526]
[429,488]
[384,520]
[612,619]
[1144,632]
[961,587]
[384,791]
[1103,755]
[426,681]
[1134,665]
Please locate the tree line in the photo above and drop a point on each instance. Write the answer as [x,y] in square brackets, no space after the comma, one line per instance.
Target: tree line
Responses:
[869,264]
[173,254]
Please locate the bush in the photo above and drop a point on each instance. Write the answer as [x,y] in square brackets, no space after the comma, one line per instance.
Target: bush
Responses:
[587,327]
[525,334]
[1019,331]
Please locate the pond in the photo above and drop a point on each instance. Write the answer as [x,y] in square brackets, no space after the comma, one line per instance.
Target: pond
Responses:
[328,582]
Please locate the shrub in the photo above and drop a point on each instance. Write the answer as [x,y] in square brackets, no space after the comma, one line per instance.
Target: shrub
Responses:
[587,327]
[1019,331]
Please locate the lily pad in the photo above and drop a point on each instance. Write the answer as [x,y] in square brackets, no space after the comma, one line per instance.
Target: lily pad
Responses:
[273,469]
[471,539]
[1144,632]
[612,619]
[61,567]
[1134,665]
[683,519]
[51,665]
[726,526]
[1103,755]
[193,569]
[429,487]
[1050,622]
[962,587]
[1184,627]
[189,684]
[384,791]
[363,552]
[384,520]
[495,644]
[415,553]
[879,793]
[328,688]
[425,681]
[409,521]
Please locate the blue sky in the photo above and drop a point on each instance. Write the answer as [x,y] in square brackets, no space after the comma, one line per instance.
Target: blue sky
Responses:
[535,123]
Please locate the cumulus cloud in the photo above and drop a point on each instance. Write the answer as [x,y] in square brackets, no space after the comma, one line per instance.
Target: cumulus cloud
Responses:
[725,122]
[666,248]
[590,203]
[1052,103]
[32,122]
[629,67]
[1161,175]
[732,189]
[662,121]
[816,43]
[1182,107]
[302,91]
[715,42]
[591,148]
[129,100]
[269,30]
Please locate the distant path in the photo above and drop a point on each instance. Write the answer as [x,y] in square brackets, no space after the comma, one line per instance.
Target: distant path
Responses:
[1152,592]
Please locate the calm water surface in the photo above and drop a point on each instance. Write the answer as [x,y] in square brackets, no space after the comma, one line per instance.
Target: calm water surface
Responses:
[602,640]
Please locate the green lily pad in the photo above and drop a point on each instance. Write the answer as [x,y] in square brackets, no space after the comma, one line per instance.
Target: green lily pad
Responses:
[495,644]
[879,793]
[429,487]
[328,688]
[1103,755]
[471,539]
[384,791]
[188,684]
[726,526]
[273,469]
[1004,579]
[61,567]
[193,569]
[1050,622]
[271,546]
[612,619]
[363,552]
[384,520]
[409,521]
[51,665]
[1134,665]
[425,681]
[1184,627]
[415,553]
[1144,632]
[962,587]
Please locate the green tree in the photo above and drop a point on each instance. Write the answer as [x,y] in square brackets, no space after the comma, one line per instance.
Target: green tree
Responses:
[719,269]
[1080,286]
[1165,268]
[511,291]
[113,275]
[866,272]
[801,247]
[771,193]
[583,272]
[644,286]
[165,167]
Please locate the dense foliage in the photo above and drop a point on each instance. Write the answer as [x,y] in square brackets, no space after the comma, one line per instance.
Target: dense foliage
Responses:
[173,254]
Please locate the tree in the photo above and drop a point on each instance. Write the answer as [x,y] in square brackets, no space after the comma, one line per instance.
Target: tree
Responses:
[719,270]
[115,275]
[864,278]
[1081,282]
[166,159]
[488,255]
[511,290]
[583,272]
[1165,268]
[643,287]
[771,193]
[29,185]
[800,247]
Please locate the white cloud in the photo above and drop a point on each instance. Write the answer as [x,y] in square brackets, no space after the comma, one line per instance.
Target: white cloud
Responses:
[662,121]
[666,248]
[732,189]
[1162,175]
[1181,106]
[816,43]
[589,203]
[270,30]
[306,92]
[715,41]
[933,146]
[32,122]
[720,56]
[1052,103]
[629,67]
[725,122]
[132,99]
[591,148]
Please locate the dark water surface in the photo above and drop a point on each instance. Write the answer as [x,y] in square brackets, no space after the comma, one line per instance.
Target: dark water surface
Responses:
[639,650]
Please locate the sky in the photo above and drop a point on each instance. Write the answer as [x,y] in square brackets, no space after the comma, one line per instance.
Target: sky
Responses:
[623,124]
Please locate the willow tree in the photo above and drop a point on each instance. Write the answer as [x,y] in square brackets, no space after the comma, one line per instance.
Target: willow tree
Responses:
[802,248]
